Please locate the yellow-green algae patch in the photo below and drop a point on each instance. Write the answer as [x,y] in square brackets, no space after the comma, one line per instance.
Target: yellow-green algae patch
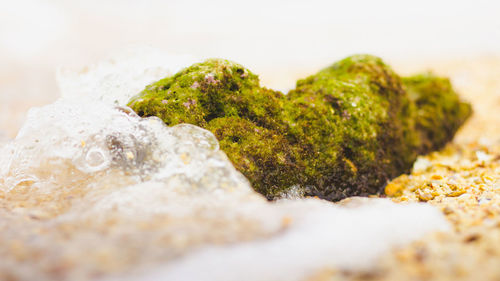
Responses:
[344,131]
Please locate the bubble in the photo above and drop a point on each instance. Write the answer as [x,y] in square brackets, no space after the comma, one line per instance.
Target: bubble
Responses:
[96,160]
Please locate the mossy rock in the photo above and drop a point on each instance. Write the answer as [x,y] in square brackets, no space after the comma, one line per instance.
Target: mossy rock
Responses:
[344,131]
[439,111]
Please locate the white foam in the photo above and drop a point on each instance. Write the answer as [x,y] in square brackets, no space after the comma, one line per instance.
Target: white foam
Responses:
[95,138]
[320,236]
[122,75]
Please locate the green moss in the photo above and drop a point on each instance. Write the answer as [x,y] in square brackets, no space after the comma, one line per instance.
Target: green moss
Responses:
[344,131]
[209,90]
[254,149]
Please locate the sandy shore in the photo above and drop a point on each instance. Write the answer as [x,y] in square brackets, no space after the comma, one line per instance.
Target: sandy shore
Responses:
[462,180]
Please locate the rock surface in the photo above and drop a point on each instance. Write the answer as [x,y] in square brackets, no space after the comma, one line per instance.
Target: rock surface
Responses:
[344,131]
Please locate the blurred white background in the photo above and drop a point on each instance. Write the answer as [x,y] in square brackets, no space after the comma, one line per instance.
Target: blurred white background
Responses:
[280,40]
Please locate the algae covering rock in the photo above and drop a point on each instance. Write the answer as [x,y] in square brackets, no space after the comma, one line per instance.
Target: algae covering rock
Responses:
[344,131]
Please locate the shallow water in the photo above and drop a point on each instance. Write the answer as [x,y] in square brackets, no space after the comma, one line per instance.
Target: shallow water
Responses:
[89,190]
